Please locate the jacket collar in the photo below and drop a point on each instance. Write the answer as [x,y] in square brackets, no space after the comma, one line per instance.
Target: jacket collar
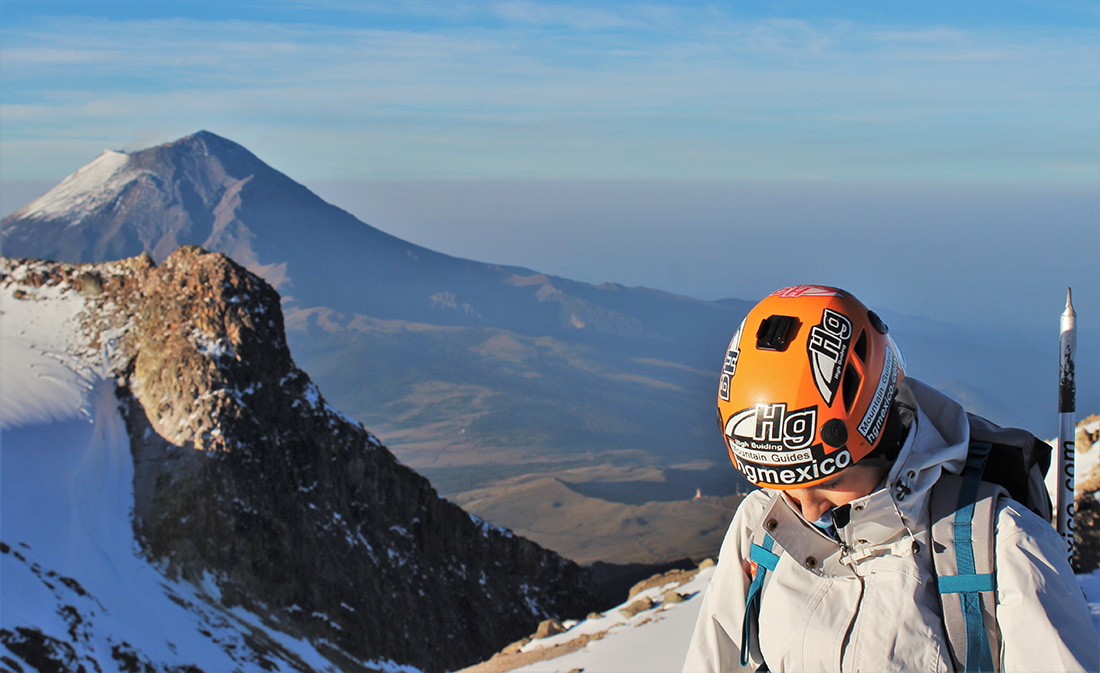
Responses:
[884,521]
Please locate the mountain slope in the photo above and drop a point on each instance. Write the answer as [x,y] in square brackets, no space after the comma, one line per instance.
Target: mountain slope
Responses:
[477,373]
[208,191]
[639,359]
[272,518]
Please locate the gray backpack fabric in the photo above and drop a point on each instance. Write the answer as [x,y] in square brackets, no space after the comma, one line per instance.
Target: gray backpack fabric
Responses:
[1002,462]
[1018,461]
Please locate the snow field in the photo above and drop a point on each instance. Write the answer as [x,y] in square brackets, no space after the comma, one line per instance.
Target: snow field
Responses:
[42,382]
[71,568]
[652,641]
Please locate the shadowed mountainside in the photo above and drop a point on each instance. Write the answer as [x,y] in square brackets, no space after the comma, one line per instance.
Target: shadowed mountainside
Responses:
[247,480]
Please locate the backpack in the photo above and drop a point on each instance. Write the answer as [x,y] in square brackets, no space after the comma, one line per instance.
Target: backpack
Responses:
[963,508]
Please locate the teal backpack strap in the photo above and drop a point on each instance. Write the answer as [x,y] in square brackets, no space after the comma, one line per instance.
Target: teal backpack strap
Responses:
[963,509]
[765,560]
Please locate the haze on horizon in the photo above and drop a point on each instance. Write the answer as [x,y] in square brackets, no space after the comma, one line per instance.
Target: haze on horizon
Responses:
[936,159]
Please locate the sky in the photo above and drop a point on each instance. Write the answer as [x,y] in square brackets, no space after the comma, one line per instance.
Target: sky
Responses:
[941,158]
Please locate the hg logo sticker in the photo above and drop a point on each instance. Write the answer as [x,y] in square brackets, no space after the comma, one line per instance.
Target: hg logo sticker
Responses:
[730,365]
[828,348]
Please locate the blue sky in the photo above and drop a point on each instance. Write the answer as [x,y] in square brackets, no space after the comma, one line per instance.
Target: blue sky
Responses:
[942,158]
[998,91]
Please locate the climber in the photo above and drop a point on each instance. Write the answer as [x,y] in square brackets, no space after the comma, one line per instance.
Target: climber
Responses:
[833,564]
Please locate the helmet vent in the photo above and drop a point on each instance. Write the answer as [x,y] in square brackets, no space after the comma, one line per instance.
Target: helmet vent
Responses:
[877,322]
[776,332]
[850,386]
[861,347]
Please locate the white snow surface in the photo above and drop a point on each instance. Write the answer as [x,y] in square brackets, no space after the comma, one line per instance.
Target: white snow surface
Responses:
[82,191]
[652,641]
[41,382]
[66,499]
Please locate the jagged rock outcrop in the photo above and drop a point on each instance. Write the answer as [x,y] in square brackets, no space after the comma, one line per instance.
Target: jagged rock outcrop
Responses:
[246,476]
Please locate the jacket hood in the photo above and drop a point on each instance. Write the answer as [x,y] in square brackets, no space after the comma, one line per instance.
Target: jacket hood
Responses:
[938,442]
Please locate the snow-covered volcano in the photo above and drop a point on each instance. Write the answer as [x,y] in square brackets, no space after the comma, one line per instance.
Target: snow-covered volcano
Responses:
[208,191]
[517,341]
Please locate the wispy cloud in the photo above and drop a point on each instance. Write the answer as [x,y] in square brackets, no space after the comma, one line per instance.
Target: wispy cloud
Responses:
[573,17]
[539,89]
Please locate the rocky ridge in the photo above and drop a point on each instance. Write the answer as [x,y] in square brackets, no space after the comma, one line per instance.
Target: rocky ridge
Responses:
[246,477]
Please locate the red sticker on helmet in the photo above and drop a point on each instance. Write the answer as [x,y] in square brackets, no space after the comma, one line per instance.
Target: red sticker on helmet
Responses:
[796,291]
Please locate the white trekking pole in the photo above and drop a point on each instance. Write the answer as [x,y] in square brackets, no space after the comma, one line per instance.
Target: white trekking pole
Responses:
[1067,443]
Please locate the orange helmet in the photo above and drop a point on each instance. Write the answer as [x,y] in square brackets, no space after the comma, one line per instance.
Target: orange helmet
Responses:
[806,386]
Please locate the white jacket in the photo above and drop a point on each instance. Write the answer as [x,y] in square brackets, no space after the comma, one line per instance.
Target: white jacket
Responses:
[875,607]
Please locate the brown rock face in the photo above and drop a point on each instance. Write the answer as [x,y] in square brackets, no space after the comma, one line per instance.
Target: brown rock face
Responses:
[244,474]
[211,365]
